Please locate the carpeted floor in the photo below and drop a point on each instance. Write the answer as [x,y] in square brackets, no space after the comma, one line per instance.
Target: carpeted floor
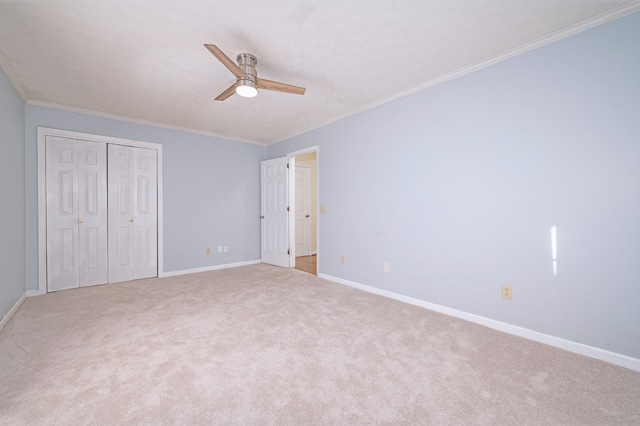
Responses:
[265,345]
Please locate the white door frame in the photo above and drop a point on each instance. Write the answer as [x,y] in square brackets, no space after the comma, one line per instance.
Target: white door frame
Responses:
[43,132]
[306,227]
[292,202]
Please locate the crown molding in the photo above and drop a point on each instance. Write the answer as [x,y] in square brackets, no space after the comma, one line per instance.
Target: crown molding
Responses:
[527,47]
[12,78]
[100,114]
[575,29]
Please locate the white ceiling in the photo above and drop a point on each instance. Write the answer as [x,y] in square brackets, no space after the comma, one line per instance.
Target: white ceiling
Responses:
[144,60]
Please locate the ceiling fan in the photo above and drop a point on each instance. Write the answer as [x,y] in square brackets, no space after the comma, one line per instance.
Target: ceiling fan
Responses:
[247,81]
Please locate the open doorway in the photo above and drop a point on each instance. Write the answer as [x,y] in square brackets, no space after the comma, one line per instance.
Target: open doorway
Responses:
[306,212]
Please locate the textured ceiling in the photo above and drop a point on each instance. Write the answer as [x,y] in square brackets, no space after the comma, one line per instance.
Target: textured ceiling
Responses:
[144,60]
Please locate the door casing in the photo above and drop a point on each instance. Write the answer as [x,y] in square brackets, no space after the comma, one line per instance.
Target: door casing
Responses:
[303,211]
[292,201]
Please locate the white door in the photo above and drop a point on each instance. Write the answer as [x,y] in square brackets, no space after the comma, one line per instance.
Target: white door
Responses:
[145,194]
[76,213]
[303,211]
[275,218]
[92,209]
[132,213]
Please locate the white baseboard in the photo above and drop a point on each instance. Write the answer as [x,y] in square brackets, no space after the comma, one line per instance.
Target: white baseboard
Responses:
[568,345]
[12,311]
[208,268]
[31,293]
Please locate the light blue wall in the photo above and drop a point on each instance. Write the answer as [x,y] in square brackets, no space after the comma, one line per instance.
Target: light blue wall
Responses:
[12,195]
[211,189]
[457,187]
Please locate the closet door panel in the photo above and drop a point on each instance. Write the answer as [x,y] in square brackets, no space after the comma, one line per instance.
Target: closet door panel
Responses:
[121,212]
[146,214]
[101,221]
[92,203]
[62,214]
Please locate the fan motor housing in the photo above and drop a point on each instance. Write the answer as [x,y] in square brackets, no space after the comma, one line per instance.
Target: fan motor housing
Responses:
[247,63]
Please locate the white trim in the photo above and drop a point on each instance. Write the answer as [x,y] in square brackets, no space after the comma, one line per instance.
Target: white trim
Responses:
[303,151]
[33,293]
[292,213]
[160,209]
[12,311]
[575,29]
[568,345]
[552,38]
[292,230]
[42,211]
[61,107]
[12,78]
[209,268]
[43,132]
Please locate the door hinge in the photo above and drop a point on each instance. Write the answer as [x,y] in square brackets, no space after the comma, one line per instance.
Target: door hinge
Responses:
[288,251]
[287,165]
[287,208]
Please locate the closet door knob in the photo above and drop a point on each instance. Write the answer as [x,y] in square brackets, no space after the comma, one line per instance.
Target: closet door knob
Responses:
[81,220]
[130,220]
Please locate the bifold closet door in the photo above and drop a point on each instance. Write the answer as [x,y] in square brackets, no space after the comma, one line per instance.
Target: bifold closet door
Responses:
[76,213]
[133,233]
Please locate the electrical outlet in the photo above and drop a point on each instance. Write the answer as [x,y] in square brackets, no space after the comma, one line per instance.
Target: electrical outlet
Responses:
[342,260]
[506,292]
[225,249]
[387,268]
[208,250]
[219,249]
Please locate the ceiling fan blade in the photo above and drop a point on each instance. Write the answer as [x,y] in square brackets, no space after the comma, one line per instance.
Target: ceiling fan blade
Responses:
[279,87]
[227,93]
[231,66]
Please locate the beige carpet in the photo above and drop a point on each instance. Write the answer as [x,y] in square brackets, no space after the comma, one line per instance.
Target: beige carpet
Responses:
[264,345]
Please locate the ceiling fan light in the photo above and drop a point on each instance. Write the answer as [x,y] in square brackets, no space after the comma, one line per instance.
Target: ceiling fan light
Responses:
[246,88]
